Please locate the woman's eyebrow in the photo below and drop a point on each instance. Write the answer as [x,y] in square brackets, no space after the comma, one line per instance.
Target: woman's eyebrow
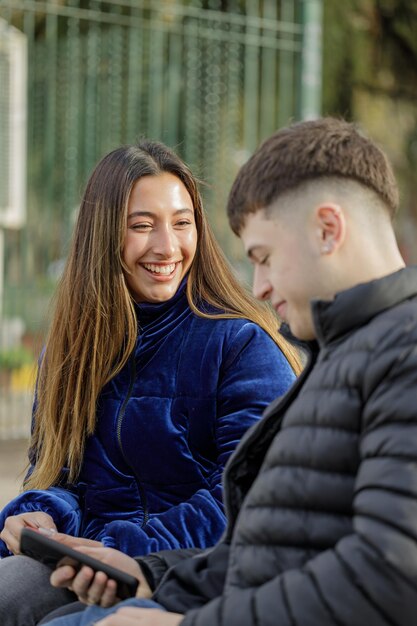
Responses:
[141,214]
[151,214]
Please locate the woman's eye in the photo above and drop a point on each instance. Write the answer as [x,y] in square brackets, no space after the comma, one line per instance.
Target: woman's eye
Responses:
[183,223]
[264,260]
[142,226]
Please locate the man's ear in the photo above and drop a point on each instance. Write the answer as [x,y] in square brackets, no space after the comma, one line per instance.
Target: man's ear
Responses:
[330,222]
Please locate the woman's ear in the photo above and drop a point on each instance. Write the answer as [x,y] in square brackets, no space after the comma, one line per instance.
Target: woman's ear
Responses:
[330,223]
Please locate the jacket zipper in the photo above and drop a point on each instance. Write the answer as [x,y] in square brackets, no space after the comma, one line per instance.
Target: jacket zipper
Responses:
[142,493]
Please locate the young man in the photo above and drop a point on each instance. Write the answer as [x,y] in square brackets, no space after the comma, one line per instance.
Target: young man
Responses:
[321,496]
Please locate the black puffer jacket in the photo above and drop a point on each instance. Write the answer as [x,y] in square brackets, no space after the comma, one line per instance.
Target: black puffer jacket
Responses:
[321,495]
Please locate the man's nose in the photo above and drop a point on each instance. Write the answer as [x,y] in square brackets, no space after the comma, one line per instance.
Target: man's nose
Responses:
[261,287]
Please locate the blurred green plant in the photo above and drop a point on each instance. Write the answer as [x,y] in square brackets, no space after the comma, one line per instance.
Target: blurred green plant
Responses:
[14,358]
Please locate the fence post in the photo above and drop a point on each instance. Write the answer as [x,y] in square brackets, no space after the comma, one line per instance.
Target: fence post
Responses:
[311,60]
[1,278]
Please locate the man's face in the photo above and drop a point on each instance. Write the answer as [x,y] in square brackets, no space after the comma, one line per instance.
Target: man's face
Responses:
[285,260]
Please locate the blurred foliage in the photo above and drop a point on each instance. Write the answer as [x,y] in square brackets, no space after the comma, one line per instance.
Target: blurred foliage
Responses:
[370,76]
[15,358]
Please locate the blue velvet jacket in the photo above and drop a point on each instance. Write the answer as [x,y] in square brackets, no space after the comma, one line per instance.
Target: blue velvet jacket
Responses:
[166,425]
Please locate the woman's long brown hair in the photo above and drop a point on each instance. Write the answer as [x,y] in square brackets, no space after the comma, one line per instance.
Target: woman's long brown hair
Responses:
[94,327]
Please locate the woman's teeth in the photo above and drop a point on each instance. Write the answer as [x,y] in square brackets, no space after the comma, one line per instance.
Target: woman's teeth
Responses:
[160,269]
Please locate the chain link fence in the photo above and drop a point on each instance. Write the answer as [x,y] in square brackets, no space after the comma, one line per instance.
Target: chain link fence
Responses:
[210,78]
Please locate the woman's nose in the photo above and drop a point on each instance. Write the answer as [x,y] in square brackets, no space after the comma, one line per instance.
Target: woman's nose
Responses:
[165,243]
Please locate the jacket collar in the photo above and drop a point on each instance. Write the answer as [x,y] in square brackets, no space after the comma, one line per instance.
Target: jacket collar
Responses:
[355,307]
[150,312]
[350,309]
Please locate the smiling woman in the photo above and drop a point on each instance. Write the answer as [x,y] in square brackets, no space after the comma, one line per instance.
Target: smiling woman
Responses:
[161,237]
[156,363]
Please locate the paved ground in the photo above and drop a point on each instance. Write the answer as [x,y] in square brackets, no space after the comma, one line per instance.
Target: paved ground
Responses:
[15,415]
[12,465]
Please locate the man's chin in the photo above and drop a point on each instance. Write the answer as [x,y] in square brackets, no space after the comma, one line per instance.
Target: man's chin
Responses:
[302,332]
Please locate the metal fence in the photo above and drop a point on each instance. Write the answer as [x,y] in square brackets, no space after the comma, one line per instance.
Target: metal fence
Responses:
[210,78]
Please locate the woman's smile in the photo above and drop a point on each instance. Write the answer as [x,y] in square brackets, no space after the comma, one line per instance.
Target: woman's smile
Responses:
[161,269]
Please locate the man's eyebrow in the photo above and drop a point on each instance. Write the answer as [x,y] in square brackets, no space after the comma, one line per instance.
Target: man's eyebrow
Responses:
[152,214]
[251,252]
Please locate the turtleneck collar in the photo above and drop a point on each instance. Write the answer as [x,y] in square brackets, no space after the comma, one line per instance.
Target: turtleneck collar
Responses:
[149,312]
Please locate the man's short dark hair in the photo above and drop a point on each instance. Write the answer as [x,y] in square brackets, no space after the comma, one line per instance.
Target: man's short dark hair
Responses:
[305,151]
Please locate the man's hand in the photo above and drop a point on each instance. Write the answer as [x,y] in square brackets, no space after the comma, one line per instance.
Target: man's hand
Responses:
[14,524]
[75,542]
[130,616]
[95,587]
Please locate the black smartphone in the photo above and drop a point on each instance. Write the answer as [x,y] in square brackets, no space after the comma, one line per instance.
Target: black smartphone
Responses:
[50,552]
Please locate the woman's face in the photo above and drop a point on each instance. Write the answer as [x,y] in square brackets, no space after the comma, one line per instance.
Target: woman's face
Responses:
[161,237]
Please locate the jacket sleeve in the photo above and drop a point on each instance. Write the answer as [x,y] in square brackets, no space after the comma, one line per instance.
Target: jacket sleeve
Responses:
[253,372]
[155,565]
[370,576]
[59,503]
[193,582]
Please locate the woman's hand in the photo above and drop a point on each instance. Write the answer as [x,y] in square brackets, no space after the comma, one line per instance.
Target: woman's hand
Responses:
[131,616]
[14,524]
[95,587]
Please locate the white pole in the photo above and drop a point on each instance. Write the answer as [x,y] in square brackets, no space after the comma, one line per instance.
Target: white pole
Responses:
[311,60]
[1,276]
